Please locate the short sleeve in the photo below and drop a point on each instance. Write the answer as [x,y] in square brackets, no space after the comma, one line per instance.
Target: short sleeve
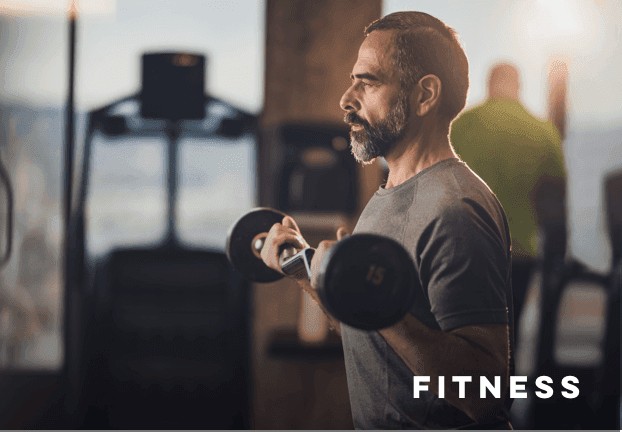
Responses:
[464,267]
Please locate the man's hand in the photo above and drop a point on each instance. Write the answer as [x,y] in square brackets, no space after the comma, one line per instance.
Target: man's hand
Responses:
[320,252]
[281,235]
[288,233]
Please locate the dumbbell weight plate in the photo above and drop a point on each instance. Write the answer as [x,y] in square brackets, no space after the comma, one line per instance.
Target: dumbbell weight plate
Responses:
[367,281]
[240,244]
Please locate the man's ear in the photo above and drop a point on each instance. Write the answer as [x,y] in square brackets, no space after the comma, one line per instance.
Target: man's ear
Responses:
[428,94]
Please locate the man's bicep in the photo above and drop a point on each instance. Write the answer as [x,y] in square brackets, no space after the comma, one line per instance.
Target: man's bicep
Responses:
[465,272]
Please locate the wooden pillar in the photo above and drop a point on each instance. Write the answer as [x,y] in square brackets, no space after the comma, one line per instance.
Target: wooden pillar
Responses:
[311,47]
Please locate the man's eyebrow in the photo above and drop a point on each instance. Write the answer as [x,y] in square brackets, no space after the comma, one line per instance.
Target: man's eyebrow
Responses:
[365,75]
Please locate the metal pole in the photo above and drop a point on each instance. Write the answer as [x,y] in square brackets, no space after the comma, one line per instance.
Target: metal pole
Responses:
[173,131]
[69,323]
[69,128]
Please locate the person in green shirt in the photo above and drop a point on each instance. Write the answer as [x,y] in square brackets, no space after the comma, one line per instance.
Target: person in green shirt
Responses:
[514,153]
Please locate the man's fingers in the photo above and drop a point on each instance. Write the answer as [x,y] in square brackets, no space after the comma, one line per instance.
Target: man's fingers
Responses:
[289,222]
[285,233]
[341,233]
[278,236]
[292,237]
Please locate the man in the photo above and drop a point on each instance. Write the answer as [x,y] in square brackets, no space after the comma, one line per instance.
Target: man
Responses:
[516,155]
[409,82]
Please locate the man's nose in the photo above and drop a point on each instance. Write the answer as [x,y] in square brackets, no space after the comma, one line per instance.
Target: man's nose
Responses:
[348,102]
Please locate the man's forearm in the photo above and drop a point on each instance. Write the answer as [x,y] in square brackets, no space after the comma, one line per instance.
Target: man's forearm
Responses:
[306,286]
[435,353]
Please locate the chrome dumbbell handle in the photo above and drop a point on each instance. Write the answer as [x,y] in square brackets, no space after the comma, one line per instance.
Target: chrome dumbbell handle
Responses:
[296,264]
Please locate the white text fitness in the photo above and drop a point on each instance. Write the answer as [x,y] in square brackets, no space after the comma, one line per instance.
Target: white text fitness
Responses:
[486,388]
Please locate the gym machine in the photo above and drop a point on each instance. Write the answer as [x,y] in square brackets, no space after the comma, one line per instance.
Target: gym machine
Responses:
[586,344]
[159,334]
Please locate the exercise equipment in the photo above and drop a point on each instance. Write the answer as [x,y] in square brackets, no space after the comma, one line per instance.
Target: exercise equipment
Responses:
[245,240]
[365,280]
[180,304]
[7,230]
[572,328]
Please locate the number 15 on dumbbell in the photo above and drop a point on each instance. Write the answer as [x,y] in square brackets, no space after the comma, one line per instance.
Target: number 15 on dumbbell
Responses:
[365,281]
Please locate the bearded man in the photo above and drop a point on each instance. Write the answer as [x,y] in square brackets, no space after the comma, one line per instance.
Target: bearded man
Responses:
[408,84]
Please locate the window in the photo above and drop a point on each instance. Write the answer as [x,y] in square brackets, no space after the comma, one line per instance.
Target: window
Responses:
[216,186]
[126,198]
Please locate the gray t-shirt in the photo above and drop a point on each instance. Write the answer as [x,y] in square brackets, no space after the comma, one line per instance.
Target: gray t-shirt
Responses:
[457,234]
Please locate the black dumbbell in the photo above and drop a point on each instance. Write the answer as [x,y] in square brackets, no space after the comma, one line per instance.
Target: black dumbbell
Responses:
[366,281]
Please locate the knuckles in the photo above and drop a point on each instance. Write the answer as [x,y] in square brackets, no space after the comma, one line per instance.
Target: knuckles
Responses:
[320,251]
[275,229]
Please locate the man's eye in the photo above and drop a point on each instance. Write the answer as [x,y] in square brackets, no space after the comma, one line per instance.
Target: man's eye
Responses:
[365,84]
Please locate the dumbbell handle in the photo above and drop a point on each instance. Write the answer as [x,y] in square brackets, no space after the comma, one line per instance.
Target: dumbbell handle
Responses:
[297,266]
[294,264]
[287,253]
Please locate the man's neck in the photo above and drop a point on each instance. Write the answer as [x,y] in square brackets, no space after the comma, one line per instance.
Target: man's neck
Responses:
[411,156]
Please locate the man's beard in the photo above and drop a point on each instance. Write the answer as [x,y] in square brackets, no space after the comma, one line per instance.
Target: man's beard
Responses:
[371,142]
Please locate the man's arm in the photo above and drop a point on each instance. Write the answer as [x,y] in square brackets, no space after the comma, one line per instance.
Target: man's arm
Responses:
[472,351]
[288,233]
[307,287]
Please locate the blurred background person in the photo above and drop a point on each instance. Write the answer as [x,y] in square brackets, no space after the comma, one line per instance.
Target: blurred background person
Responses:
[514,153]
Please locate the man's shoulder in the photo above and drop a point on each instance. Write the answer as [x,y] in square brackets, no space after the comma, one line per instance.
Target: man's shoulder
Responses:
[456,194]
[447,192]
[450,189]
[454,179]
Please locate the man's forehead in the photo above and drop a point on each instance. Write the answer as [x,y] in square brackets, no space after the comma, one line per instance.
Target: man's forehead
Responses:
[375,54]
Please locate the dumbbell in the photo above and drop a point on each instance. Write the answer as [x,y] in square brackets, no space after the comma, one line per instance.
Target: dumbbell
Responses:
[366,281]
